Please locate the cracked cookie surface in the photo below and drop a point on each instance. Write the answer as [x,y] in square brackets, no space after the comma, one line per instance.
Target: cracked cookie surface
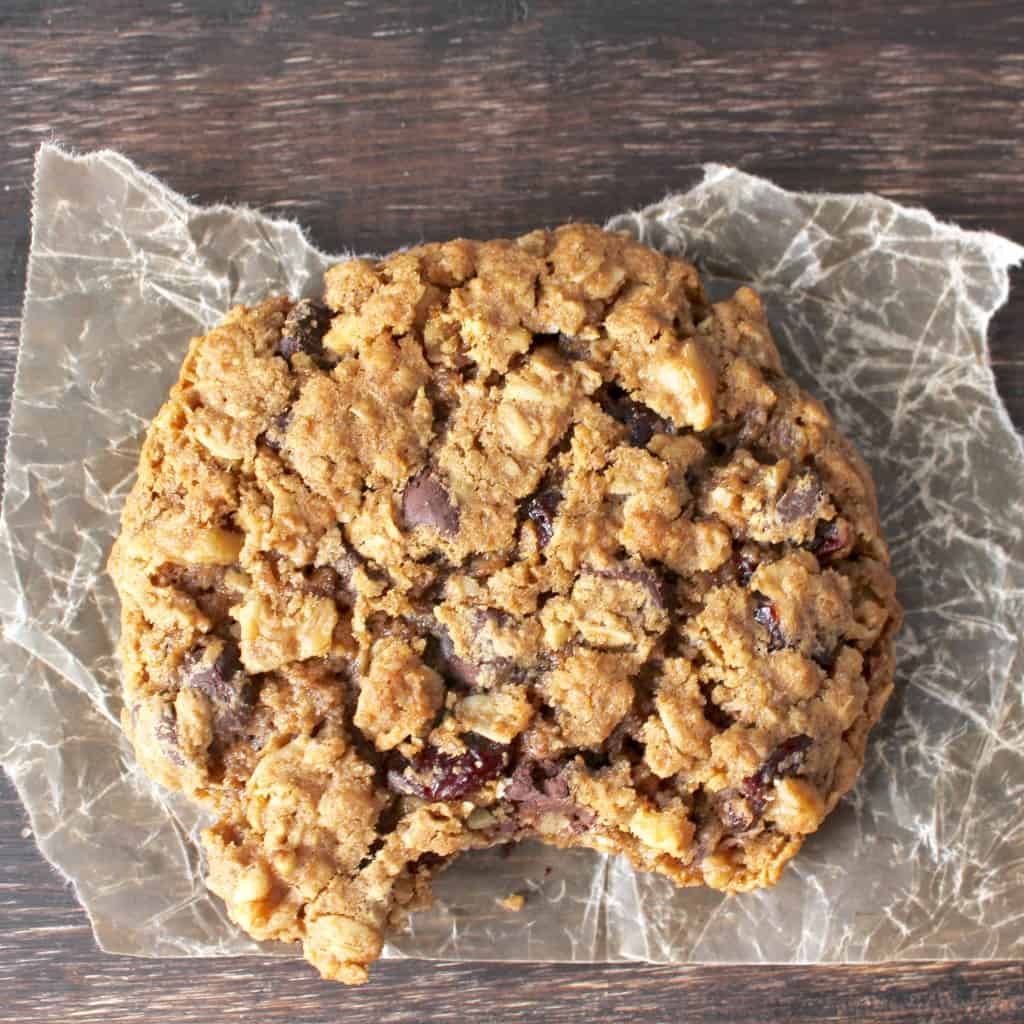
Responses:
[499,540]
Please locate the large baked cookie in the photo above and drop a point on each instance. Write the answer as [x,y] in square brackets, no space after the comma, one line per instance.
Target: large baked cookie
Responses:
[505,539]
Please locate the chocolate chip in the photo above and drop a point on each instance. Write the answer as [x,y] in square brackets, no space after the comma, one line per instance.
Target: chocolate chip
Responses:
[622,741]
[214,678]
[541,508]
[785,760]
[645,782]
[800,499]
[304,329]
[539,787]
[464,673]
[641,422]
[537,777]
[346,564]
[425,502]
[232,694]
[766,614]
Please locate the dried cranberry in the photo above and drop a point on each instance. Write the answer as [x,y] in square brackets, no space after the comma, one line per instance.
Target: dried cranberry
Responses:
[541,508]
[786,759]
[426,502]
[304,329]
[767,615]
[830,538]
[434,775]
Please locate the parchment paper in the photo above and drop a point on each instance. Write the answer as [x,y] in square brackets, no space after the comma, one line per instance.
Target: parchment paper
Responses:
[879,310]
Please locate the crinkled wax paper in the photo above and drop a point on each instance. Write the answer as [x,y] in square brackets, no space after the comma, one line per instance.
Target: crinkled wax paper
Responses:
[879,310]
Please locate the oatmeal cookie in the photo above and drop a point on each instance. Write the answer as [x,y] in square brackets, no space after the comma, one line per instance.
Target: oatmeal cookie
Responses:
[499,540]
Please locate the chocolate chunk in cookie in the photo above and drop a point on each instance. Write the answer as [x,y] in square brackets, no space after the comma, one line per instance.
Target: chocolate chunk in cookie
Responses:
[832,539]
[800,499]
[304,330]
[215,670]
[541,509]
[539,788]
[458,671]
[641,422]
[426,502]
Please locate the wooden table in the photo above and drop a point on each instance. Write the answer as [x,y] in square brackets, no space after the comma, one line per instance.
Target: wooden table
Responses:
[381,123]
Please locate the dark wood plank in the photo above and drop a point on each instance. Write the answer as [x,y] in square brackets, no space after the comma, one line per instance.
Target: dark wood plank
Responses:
[379,124]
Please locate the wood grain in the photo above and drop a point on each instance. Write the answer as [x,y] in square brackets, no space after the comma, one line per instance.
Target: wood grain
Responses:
[379,124]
